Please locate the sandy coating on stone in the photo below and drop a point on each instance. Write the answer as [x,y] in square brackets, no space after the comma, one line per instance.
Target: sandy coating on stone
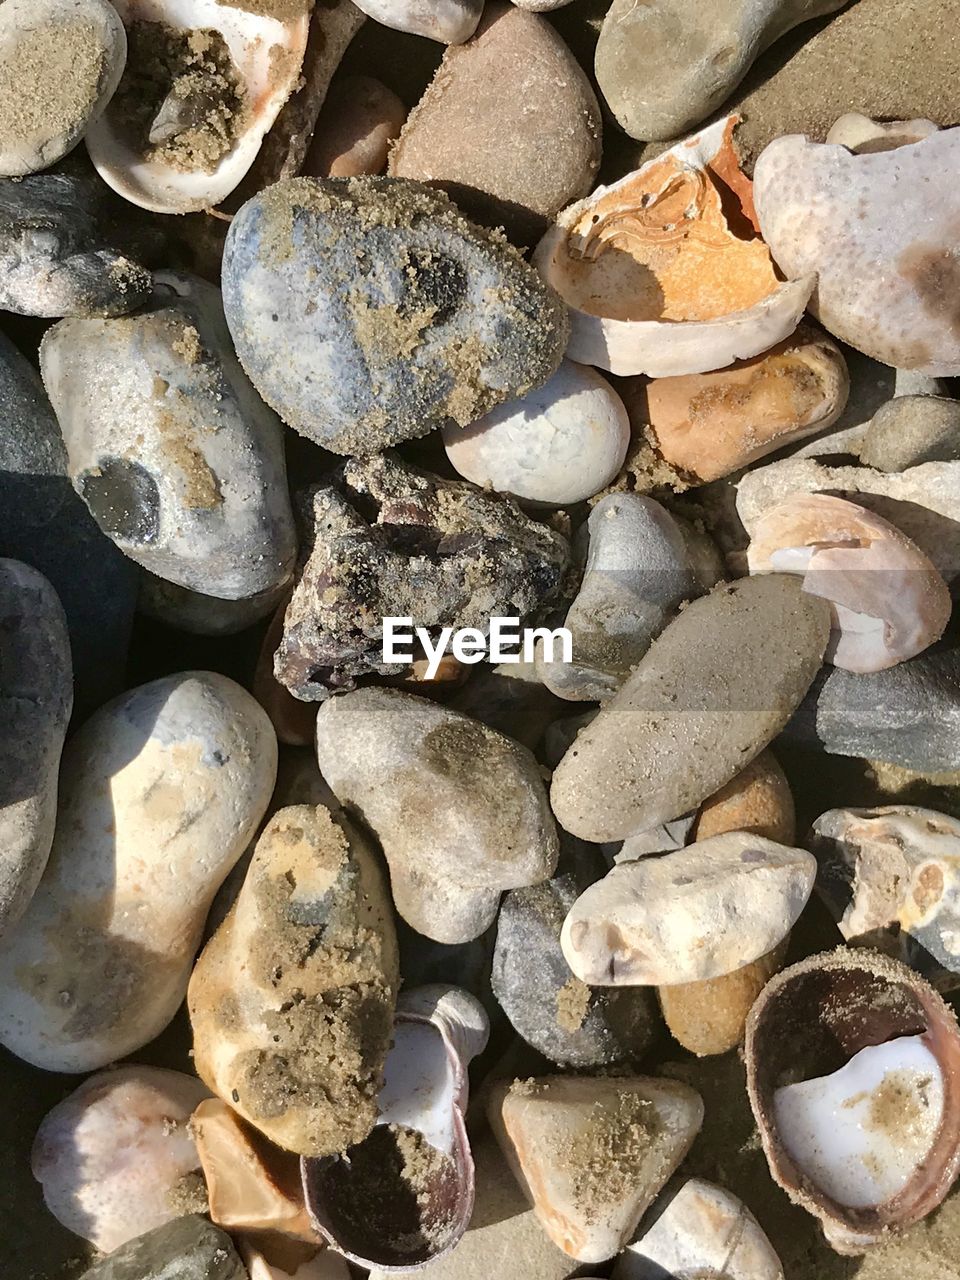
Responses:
[591,1153]
[709,1017]
[292,999]
[515,80]
[449,21]
[360,119]
[487,826]
[698,913]
[160,792]
[117,1158]
[36,699]
[714,689]
[879,230]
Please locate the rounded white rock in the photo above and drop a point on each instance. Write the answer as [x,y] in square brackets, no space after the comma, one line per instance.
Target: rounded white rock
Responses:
[448,21]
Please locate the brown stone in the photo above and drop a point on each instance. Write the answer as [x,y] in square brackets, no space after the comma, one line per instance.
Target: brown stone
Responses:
[709,1017]
[359,120]
[758,799]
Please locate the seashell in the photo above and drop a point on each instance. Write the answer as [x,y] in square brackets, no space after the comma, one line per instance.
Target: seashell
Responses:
[116,1157]
[887,601]
[853,1073]
[624,260]
[404,1196]
[704,1233]
[171,147]
[860,134]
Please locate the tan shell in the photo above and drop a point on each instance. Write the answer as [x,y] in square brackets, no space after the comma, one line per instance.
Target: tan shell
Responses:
[887,600]
[810,1020]
[664,272]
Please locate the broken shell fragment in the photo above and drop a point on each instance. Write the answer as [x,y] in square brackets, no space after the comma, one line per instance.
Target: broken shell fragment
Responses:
[404,1195]
[887,601]
[591,1153]
[204,82]
[704,1233]
[659,277]
[853,1072]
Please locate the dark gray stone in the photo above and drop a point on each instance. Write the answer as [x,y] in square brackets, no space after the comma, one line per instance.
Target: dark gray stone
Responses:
[189,1248]
[538,993]
[910,430]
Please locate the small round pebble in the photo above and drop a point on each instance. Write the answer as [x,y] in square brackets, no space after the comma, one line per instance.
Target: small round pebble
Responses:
[359,120]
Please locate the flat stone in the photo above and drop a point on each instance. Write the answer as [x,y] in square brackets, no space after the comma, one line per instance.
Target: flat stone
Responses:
[714,689]
[393,312]
[160,792]
[571,1024]
[487,826]
[911,430]
[516,80]
[36,698]
[188,1249]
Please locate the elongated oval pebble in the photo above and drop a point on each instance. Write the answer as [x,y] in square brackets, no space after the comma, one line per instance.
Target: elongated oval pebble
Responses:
[161,790]
[717,685]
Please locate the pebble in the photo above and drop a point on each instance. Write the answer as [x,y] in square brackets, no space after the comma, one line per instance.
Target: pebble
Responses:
[862,135]
[911,430]
[591,1153]
[907,715]
[36,698]
[44,524]
[878,230]
[446,321]
[515,80]
[60,62]
[64,248]
[160,792]
[889,876]
[558,445]
[188,1249]
[292,999]
[699,913]
[370,552]
[487,827]
[173,452]
[359,120]
[293,720]
[700,427]
[714,689]
[704,1231]
[449,21]
[663,68]
[640,569]
[709,1017]
[202,615]
[758,800]
[116,1158]
[571,1024]
[511,699]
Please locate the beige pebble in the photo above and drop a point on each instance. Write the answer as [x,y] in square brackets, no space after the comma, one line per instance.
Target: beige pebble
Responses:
[710,1017]
[758,799]
[360,119]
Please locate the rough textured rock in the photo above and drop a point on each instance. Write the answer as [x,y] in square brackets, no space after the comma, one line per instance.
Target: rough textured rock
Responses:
[36,698]
[664,67]
[591,1153]
[61,61]
[516,80]
[698,913]
[386,540]
[562,443]
[292,999]
[910,430]
[486,828]
[174,453]
[878,229]
[394,312]
[116,1157]
[360,118]
[188,1249]
[44,524]
[709,1017]
[160,792]
[758,800]
[714,689]
[568,1022]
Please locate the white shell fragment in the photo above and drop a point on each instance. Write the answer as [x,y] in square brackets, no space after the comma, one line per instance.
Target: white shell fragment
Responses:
[704,1233]
[116,1158]
[266,56]
[559,444]
[887,600]
[861,1133]
[698,913]
[879,229]
[448,21]
[655,279]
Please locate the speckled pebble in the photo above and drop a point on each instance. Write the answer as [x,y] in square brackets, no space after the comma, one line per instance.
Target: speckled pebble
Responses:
[910,430]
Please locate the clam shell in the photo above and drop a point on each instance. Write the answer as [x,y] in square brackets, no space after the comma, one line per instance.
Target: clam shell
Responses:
[646,208]
[810,1020]
[438,1030]
[267,53]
